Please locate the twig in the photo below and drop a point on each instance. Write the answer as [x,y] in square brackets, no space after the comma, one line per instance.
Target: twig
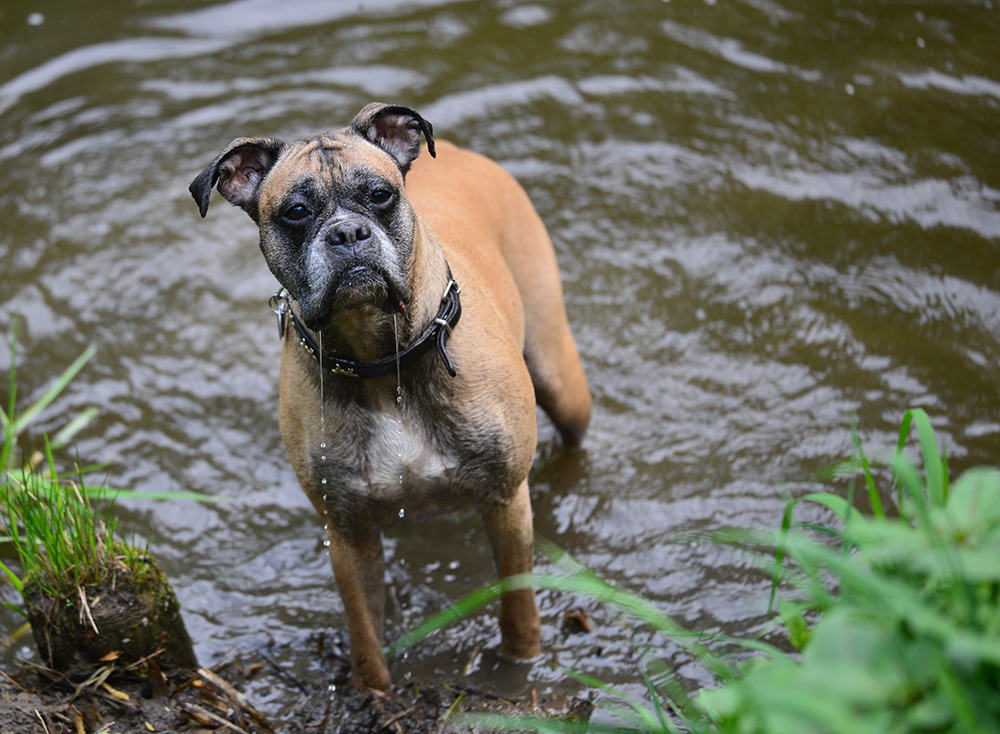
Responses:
[480,692]
[14,682]
[224,660]
[285,674]
[41,719]
[204,716]
[85,608]
[235,697]
[396,717]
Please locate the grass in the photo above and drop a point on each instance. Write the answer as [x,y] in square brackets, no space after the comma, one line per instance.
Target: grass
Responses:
[14,424]
[895,619]
[62,540]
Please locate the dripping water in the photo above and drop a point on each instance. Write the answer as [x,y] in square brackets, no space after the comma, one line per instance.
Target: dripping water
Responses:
[399,404]
[322,431]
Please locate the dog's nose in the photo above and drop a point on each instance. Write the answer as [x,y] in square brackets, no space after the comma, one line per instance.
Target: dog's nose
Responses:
[348,233]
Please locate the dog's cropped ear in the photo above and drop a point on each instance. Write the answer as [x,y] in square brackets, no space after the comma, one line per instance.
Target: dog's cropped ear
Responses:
[396,130]
[238,170]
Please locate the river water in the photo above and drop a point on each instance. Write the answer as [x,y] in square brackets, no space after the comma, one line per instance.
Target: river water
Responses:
[769,214]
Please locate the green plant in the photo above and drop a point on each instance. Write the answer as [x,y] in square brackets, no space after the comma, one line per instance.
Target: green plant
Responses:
[908,637]
[61,540]
[14,425]
[905,634]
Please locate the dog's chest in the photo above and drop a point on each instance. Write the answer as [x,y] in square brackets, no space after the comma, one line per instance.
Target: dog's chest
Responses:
[387,457]
[402,456]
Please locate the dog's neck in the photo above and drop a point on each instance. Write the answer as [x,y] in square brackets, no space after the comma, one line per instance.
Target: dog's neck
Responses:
[369,332]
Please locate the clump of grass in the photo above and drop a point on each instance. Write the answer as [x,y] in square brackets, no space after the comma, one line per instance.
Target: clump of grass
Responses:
[63,541]
[50,523]
[63,531]
[897,619]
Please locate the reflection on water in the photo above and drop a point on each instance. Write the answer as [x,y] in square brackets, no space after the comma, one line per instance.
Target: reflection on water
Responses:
[768,215]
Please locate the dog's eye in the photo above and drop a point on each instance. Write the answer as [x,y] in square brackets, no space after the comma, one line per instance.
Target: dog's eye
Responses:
[296,213]
[380,196]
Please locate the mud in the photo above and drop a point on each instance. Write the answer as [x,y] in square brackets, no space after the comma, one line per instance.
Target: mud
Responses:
[36,700]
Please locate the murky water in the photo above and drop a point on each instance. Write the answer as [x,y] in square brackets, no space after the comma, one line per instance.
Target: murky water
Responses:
[768,214]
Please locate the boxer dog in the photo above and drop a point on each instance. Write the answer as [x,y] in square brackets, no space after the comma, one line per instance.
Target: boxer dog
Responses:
[421,323]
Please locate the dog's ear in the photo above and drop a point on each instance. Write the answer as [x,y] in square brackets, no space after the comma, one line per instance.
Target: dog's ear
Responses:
[238,170]
[396,130]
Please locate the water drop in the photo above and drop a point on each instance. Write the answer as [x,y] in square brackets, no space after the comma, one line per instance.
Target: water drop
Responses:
[323,457]
[323,480]
[322,444]
[324,498]
[326,543]
[332,688]
[401,510]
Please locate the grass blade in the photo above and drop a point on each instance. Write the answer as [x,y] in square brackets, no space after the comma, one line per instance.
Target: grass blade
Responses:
[22,421]
[935,469]
[12,576]
[873,497]
[69,431]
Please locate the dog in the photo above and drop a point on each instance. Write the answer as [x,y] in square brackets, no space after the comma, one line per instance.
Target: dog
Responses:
[422,317]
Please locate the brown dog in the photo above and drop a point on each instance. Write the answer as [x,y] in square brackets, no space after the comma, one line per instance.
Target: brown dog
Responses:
[397,394]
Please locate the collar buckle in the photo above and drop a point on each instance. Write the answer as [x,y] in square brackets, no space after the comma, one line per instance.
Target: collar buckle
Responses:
[278,303]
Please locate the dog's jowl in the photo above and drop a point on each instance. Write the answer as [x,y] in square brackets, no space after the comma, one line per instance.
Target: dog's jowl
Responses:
[443,292]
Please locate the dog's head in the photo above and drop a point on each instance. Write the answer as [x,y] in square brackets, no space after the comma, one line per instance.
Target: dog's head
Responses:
[336,228]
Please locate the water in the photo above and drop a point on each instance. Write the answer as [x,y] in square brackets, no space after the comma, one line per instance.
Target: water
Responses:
[768,214]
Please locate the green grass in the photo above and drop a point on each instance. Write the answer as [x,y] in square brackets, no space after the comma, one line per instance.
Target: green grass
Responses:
[62,540]
[896,619]
[14,424]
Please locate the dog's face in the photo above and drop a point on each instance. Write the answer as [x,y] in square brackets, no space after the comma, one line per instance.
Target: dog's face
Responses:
[336,228]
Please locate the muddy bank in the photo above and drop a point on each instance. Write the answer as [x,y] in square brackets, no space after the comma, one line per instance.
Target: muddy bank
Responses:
[33,699]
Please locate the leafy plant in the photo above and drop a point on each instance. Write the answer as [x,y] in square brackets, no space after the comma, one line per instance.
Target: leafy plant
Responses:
[906,636]
[909,634]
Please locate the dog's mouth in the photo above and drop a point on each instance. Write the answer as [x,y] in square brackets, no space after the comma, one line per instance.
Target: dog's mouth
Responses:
[360,287]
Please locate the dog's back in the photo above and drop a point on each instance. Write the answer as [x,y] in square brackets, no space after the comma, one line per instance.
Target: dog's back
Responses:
[462,195]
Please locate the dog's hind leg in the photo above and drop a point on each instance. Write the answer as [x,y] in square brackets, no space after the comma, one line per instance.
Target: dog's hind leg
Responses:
[510,530]
[359,567]
[560,383]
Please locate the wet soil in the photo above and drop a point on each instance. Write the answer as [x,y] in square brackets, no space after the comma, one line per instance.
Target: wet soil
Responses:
[107,701]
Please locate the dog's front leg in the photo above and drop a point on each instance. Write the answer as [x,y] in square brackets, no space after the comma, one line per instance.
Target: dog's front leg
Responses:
[510,529]
[359,567]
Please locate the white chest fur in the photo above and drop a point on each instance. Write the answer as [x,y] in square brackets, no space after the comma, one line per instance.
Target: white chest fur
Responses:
[402,459]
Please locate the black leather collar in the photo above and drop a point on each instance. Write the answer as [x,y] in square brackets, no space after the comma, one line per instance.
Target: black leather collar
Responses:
[436,333]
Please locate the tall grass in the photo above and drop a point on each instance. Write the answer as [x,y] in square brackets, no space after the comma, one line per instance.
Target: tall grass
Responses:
[896,618]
